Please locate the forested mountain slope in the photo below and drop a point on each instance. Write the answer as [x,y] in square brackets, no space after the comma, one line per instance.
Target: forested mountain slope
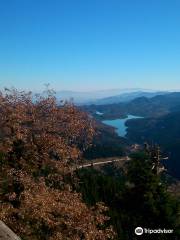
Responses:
[164,131]
[137,197]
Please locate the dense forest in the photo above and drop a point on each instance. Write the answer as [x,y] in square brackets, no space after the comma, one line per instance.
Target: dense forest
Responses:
[106,143]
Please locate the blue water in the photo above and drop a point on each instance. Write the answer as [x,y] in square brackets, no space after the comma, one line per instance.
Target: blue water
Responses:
[120,124]
[99,113]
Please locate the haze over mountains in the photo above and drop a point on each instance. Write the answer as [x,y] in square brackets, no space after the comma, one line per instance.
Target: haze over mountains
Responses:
[106,96]
[127,97]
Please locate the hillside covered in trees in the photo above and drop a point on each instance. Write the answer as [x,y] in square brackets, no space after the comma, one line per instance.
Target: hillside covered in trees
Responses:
[39,142]
[137,197]
[105,143]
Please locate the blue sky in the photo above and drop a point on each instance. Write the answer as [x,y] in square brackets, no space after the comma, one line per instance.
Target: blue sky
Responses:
[90,44]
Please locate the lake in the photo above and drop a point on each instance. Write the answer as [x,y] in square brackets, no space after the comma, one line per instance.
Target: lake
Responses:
[120,124]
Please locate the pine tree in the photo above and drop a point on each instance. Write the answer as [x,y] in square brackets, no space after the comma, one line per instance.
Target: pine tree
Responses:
[147,200]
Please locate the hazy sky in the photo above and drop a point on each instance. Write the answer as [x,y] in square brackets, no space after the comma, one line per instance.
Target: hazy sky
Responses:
[90,44]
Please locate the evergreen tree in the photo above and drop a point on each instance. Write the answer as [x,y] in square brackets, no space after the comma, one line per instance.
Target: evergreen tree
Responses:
[146,199]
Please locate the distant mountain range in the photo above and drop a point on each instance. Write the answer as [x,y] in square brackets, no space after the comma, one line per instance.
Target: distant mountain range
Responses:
[105,96]
[127,97]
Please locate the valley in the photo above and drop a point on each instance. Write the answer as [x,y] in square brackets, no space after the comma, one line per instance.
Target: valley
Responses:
[159,124]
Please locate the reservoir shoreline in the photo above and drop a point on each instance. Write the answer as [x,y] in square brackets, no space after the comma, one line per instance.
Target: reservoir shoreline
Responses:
[120,124]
